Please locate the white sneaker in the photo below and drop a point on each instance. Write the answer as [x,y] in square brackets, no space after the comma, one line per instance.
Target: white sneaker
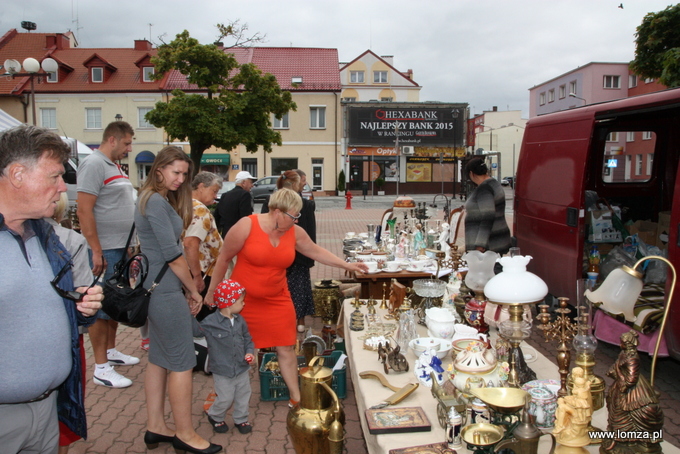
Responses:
[111,379]
[121,359]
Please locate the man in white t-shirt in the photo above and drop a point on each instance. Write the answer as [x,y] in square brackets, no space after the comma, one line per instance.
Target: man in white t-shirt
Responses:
[106,213]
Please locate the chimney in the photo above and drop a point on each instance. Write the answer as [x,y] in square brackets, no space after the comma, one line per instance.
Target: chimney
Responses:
[143,44]
[409,73]
[219,44]
[495,109]
[389,59]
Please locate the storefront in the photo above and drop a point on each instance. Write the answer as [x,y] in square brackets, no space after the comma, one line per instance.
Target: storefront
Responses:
[217,163]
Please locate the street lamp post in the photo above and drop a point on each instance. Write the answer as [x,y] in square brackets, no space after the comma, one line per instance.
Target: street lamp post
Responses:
[31,67]
[396,146]
[573,95]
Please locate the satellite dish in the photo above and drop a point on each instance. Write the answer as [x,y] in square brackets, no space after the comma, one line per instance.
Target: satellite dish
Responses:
[28,25]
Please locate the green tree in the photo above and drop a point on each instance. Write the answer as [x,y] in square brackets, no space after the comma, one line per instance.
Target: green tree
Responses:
[235,102]
[657,53]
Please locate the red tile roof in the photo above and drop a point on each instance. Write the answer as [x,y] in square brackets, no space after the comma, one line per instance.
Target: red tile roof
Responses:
[317,67]
[405,75]
[126,77]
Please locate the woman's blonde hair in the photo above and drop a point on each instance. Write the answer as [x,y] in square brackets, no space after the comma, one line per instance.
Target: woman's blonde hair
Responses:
[285,200]
[180,199]
[60,210]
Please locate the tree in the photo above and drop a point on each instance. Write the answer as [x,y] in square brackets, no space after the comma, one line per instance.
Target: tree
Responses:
[236,102]
[657,53]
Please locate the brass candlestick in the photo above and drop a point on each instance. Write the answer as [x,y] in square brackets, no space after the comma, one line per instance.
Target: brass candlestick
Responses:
[383,304]
[563,330]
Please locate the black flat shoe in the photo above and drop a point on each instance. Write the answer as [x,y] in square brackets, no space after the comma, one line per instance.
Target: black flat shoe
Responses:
[182,448]
[152,439]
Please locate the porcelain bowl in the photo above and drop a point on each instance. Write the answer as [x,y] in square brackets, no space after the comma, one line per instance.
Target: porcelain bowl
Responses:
[440,329]
[422,344]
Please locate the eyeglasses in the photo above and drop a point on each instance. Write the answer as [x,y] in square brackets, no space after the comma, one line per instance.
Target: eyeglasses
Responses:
[294,218]
[70,294]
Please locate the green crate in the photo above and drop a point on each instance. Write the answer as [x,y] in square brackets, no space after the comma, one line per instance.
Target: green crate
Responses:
[272,387]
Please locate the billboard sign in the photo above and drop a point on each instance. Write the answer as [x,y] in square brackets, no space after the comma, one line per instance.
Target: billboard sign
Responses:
[418,126]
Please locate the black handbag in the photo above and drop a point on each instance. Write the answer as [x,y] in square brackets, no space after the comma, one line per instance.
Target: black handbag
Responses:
[125,299]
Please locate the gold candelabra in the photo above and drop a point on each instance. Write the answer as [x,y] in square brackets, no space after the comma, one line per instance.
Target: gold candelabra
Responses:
[563,330]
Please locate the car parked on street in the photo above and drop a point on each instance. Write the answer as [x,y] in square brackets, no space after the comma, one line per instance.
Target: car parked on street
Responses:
[264,187]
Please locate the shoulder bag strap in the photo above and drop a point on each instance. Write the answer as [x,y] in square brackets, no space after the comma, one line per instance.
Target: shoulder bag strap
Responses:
[157,281]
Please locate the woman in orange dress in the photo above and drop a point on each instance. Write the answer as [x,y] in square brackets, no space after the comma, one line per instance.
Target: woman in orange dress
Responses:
[266,245]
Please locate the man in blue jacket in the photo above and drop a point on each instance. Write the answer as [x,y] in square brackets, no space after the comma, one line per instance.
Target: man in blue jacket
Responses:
[40,368]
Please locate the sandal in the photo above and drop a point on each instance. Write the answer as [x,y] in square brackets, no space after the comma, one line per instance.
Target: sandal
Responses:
[218,426]
[244,427]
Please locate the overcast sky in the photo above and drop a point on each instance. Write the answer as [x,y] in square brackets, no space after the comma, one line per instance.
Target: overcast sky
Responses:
[485,53]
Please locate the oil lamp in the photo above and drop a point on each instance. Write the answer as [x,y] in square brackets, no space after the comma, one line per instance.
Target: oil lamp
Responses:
[480,271]
[516,287]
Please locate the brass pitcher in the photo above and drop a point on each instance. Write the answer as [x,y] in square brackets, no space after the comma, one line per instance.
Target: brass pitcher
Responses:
[525,438]
[316,424]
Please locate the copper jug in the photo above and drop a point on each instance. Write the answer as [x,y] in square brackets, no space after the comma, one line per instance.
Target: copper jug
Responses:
[316,424]
[525,437]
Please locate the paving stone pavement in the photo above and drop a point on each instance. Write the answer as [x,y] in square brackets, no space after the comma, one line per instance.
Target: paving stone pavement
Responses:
[117,417]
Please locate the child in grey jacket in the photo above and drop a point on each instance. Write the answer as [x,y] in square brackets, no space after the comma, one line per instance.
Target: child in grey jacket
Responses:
[231,350]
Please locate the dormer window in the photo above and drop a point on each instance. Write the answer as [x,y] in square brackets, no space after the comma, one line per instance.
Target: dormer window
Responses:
[296,80]
[53,77]
[147,73]
[97,75]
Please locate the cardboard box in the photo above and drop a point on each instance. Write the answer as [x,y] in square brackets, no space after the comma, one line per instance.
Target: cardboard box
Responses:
[663,229]
[646,231]
[601,227]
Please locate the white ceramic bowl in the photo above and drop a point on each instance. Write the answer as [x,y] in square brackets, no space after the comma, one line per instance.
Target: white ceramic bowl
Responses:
[421,344]
[440,329]
[417,345]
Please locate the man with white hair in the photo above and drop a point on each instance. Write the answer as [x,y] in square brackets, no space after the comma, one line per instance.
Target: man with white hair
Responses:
[235,204]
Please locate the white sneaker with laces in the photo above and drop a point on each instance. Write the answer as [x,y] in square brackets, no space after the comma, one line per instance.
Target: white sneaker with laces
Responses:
[121,359]
[111,379]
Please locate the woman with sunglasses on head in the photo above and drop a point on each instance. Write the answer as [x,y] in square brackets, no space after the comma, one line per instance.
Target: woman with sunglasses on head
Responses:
[163,211]
[265,245]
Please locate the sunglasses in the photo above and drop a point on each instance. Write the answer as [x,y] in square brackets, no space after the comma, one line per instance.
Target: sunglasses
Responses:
[294,218]
[70,294]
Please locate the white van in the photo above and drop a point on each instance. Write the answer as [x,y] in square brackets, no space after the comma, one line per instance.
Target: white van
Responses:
[79,151]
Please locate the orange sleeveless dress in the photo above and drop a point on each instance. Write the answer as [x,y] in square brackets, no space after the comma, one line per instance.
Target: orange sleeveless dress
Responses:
[261,269]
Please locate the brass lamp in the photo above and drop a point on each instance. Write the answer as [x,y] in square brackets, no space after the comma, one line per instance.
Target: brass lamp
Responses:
[621,289]
[516,287]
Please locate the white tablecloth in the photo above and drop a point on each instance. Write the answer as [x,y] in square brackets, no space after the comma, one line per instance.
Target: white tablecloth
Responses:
[370,392]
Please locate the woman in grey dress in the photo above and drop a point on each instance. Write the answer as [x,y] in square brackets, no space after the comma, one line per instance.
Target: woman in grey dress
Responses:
[163,211]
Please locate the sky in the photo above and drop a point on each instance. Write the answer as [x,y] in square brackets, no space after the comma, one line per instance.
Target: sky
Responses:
[482,52]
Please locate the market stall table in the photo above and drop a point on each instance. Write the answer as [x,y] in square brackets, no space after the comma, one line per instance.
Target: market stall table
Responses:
[372,283]
[370,392]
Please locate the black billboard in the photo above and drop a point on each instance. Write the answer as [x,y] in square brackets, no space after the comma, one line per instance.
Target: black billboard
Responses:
[417,126]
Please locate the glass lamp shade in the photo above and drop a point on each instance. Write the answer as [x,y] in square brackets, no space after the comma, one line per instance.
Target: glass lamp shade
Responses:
[480,269]
[619,292]
[12,66]
[585,343]
[50,65]
[515,285]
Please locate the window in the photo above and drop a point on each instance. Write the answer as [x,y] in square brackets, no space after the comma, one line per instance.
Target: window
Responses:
[613,137]
[53,77]
[280,165]
[649,80]
[249,165]
[638,164]
[630,136]
[356,77]
[650,161]
[647,135]
[632,81]
[551,95]
[98,75]
[147,73]
[282,123]
[317,118]
[379,77]
[141,113]
[48,118]
[572,87]
[563,91]
[541,99]
[349,99]
[93,118]
[612,82]
[386,99]
[622,164]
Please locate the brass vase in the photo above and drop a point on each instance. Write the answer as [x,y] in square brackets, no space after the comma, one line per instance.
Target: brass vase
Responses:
[316,424]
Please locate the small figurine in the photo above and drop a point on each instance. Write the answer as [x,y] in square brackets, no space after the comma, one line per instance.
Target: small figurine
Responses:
[402,247]
[574,413]
[419,243]
[444,240]
[392,359]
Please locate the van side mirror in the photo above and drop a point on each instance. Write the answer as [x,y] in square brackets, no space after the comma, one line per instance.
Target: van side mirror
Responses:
[69,174]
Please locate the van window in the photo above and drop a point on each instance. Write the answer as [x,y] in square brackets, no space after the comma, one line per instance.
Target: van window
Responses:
[628,156]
